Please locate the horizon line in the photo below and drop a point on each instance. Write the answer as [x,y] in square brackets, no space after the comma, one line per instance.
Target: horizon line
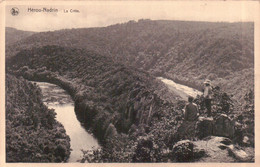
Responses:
[139,20]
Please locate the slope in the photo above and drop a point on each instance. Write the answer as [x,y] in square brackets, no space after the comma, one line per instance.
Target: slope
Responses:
[187,52]
[13,35]
[99,86]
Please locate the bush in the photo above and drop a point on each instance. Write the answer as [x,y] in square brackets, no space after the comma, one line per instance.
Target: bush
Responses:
[183,151]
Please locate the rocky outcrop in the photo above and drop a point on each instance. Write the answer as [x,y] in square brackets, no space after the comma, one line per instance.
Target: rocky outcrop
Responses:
[221,149]
[239,154]
[224,126]
[211,149]
[216,145]
[204,127]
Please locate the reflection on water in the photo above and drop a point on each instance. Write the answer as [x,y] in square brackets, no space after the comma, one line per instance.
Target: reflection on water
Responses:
[58,99]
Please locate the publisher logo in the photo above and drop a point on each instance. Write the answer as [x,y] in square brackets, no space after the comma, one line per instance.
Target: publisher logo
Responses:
[14,11]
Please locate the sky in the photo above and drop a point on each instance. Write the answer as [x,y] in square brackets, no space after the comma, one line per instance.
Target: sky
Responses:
[105,13]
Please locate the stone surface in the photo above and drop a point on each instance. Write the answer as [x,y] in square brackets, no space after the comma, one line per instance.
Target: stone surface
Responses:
[220,149]
[204,127]
[224,126]
[211,149]
[239,154]
[226,141]
[215,150]
[246,141]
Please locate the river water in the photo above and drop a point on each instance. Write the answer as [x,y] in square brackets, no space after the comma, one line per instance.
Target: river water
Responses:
[182,90]
[58,99]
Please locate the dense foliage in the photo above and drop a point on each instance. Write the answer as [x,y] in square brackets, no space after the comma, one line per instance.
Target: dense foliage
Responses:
[32,133]
[154,143]
[187,52]
[116,94]
[246,121]
[109,92]
[108,97]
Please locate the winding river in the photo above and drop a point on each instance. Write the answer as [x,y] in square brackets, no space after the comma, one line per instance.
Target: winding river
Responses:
[58,99]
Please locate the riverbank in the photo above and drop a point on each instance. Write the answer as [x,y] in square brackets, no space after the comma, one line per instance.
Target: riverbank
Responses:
[32,133]
[58,99]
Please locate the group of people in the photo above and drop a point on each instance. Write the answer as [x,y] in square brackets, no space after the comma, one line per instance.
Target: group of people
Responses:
[191,109]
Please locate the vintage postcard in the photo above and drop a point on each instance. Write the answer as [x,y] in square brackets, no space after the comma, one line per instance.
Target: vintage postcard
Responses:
[123,83]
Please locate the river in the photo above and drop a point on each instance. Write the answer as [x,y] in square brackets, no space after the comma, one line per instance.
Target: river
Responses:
[58,99]
[179,89]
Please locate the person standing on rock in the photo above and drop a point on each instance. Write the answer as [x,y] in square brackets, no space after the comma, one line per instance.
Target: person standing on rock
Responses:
[191,110]
[207,94]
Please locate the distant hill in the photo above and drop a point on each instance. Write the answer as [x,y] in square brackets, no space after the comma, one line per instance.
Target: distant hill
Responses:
[13,35]
[187,52]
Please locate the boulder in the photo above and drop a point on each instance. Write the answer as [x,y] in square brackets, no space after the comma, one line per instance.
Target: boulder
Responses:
[221,149]
[224,126]
[215,148]
[204,127]
[246,141]
[238,154]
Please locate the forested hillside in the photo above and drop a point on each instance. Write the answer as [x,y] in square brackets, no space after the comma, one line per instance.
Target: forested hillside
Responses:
[111,72]
[131,112]
[126,95]
[187,52]
[13,35]
[110,99]
[32,133]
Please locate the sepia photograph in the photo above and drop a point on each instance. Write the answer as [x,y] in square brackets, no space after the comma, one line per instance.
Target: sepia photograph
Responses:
[130,82]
